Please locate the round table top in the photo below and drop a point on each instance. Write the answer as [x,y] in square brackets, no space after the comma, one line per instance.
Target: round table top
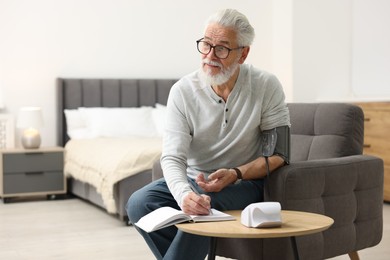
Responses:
[294,223]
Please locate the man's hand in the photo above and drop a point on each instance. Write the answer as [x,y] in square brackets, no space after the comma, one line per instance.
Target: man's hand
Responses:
[195,204]
[217,180]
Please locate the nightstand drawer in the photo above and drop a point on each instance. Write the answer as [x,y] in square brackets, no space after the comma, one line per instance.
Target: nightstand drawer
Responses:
[39,181]
[32,162]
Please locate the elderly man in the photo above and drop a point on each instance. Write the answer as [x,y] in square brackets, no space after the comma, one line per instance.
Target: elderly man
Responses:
[214,137]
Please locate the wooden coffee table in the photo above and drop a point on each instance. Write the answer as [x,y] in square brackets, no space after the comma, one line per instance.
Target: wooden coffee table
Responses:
[294,223]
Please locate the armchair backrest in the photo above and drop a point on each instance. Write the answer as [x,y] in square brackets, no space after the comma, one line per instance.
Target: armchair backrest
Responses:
[325,130]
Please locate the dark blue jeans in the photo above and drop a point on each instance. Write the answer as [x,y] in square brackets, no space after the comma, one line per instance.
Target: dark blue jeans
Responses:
[171,243]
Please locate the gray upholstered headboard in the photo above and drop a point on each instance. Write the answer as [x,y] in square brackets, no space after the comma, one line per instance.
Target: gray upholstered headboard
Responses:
[74,93]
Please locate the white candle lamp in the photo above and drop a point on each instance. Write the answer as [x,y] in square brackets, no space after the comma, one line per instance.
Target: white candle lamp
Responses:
[30,119]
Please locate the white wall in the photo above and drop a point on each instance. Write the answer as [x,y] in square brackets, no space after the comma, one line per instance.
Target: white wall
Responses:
[45,39]
[321,50]
[282,44]
[340,50]
[371,49]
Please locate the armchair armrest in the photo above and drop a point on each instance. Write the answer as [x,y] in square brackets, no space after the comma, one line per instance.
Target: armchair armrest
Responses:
[347,189]
[298,185]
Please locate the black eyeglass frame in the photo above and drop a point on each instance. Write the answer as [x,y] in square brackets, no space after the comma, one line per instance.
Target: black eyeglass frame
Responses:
[214,46]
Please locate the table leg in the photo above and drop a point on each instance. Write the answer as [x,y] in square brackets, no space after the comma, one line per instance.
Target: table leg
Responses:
[294,247]
[213,247]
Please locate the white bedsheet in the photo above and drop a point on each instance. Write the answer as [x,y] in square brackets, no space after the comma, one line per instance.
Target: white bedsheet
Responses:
[102,162]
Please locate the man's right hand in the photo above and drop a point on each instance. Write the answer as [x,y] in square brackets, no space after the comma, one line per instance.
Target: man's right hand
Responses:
[195,204]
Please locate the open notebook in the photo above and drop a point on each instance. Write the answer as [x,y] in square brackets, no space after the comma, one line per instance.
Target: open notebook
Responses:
[167,216]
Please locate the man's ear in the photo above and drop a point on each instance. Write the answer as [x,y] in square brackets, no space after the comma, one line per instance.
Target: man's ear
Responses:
[244,54]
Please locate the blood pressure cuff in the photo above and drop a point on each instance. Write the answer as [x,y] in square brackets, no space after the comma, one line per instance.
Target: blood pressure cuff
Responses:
[276,141]
[283,143]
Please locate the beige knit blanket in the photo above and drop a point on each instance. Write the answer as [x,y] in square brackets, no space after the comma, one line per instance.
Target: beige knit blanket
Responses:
[102,162]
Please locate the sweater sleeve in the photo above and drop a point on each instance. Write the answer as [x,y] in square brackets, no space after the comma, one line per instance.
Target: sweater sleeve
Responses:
[176,142]
[275,110]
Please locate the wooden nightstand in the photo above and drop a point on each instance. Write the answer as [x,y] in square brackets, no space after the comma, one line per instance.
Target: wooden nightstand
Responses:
[32,172]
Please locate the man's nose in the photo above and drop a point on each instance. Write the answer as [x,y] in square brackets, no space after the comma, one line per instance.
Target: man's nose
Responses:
[211,54]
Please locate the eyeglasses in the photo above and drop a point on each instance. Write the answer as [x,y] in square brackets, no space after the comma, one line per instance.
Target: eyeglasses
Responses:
[220,51]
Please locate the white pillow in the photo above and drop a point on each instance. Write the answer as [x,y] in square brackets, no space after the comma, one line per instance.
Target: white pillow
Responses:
[75,124]
[81,133]
[74,119]
[159,114]
[120,122]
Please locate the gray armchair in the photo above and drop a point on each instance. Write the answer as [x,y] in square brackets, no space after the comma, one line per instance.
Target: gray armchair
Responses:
[328,175]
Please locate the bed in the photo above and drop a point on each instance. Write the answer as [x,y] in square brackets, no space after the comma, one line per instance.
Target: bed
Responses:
[108,94]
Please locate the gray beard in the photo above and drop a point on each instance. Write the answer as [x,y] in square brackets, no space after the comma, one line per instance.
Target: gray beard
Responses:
[220,78]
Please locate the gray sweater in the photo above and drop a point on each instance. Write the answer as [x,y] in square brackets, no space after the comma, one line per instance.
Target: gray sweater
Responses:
[203,133]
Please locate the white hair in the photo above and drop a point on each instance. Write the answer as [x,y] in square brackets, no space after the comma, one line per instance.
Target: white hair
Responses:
[236,20]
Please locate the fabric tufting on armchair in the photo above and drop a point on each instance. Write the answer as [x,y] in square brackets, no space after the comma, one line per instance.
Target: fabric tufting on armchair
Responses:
[327,175]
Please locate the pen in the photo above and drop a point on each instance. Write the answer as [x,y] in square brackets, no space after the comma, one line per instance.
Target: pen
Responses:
[197,193]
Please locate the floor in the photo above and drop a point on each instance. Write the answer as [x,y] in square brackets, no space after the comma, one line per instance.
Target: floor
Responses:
[74,229]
